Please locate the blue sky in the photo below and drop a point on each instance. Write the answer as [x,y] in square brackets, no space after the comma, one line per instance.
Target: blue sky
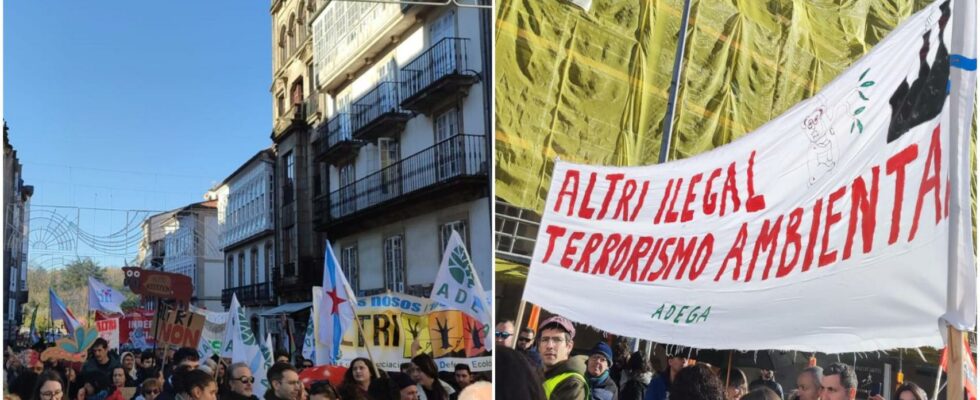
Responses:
[133,105]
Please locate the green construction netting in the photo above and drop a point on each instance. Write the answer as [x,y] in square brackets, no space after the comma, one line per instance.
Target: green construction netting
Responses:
[592,86]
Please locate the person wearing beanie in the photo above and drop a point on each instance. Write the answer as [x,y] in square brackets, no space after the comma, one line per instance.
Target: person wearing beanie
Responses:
[407,389]
[597,371]
[564,376]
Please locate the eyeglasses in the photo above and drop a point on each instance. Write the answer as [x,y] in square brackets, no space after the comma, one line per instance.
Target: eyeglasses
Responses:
[57,393]
[503,335]
[553,339]
[245,379]
[523,339]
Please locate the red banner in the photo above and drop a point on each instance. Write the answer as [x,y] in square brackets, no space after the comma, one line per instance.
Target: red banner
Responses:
[136,329]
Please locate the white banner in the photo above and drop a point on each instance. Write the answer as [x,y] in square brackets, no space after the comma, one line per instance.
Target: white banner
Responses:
[832,228]
[212,337]
[109,330]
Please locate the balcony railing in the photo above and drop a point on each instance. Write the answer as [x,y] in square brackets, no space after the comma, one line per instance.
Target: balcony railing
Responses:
[455,157]
[378,112]
[295,113]
[249,295]
[336,143]
[438,71]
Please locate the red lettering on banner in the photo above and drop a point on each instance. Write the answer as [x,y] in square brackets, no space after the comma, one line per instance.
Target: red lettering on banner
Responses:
[681,254]
[621,255]
[710,199]
[686,213]
[860,202]
[613,179]
[570,189]
[755,202]
[662,257]
[554,232]
[629,189]
[663,202]
[930,183]
[584,211]
[768,240]
[792,238]
[811,242]
[566,257]
[896,165]
[646,274]
[671,214]
[590,247]
[735,253]
[705,248]
[643,197]
[730,189]
[643,246]
[611,242]
[832,218]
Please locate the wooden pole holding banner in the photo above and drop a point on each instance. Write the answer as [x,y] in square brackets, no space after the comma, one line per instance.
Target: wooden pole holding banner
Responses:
[728,375]
[360,330]
[954,364]
[517,322]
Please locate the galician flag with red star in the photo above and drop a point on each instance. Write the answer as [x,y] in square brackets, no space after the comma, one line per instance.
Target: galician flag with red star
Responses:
[333,304]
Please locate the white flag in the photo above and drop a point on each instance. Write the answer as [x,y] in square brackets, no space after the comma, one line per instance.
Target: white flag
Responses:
[309,348]
[231,328]
[457,285]
[101,297]
[333,315]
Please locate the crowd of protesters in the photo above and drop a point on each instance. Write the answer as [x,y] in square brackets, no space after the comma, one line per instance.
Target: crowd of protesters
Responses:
[543,368]
[184,375]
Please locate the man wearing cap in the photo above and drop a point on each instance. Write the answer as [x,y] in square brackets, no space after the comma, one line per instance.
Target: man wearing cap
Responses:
[564,377]
[597,372]
[660,385]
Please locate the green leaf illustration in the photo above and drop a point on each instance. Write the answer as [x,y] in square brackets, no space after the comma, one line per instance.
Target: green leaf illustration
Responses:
[859,110]
[853,124]
[460,267]
[863,97]
[860,126]
[867,84]
[863,74]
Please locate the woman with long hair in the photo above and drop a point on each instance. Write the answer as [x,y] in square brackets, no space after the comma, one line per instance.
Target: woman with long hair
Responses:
[910,391]
[426,374]
[195,385]
[49,387]
[357,380]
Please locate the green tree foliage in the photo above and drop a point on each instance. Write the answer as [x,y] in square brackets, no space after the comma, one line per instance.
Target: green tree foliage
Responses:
[71,284]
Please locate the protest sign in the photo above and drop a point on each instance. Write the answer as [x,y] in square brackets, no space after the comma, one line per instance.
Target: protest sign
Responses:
[836,227]
[392,322]
[181,328]
[136,329]
[109,330]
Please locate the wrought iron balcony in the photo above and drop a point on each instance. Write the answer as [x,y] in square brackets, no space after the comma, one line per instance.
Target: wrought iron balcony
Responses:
[436,76]
[258,294]
[449,171]
[378,114]
[336,141]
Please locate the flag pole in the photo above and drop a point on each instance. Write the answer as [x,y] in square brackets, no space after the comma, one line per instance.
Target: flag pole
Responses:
[360,330]
[954,364]
[518,321]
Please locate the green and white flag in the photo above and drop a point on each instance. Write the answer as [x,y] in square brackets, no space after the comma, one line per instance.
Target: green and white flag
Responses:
[457,286]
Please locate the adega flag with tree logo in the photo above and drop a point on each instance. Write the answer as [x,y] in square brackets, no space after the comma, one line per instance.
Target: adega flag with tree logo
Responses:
[842,225]
[457,286]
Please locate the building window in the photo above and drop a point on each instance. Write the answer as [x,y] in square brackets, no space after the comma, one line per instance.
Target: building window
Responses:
[288,177]
[229,282]
[394,263]
[288,250]
[280,105]
[348,263]
[241,269]
[255,265]
[268,261]
[446,232]
[282,46]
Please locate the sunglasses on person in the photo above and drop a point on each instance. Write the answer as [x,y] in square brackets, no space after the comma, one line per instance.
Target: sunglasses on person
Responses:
[523,339]
[503,335]
[245,379]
